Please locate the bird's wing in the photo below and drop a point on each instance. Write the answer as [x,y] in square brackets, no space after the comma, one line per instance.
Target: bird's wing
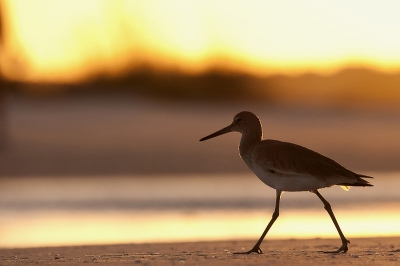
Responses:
[294,160]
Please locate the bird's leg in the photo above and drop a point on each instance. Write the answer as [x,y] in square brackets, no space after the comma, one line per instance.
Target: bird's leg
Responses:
[256,248]
[328,208]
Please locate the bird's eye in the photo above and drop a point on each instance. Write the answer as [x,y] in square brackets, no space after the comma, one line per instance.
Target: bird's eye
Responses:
[238,120]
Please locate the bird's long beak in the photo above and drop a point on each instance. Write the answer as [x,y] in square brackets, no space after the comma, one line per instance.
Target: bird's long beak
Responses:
[218,133]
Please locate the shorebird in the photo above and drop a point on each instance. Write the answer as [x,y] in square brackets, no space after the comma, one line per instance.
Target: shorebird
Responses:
[286,166]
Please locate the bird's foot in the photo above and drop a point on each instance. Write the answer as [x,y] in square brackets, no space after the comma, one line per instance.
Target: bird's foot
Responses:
[255,249]
[343,248]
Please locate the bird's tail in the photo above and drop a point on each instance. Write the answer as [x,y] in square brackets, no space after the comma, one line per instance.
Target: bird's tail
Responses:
[359,182]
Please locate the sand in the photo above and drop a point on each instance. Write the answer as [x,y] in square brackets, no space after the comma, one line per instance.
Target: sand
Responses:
[362,251]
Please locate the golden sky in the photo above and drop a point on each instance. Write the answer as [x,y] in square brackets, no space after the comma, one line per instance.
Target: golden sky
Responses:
[66,40]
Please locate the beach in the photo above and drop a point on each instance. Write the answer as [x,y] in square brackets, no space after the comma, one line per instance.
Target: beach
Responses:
[362,251]
[88,180]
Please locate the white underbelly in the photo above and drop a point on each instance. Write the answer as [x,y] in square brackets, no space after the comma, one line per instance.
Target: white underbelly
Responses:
[288,181]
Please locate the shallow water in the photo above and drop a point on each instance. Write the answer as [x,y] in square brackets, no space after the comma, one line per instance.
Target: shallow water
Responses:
[38,211]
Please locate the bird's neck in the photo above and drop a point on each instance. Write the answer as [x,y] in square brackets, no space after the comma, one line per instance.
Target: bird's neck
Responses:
[248,141]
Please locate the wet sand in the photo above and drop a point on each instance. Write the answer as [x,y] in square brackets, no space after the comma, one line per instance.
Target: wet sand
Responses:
[362,251]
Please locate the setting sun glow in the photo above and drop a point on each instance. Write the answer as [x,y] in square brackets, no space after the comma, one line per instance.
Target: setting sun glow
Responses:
[58,40]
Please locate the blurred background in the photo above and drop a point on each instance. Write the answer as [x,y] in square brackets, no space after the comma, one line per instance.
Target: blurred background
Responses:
[102,104]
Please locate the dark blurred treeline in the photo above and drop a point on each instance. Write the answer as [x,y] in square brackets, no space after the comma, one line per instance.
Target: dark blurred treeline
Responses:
[212,85]
[351,87]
